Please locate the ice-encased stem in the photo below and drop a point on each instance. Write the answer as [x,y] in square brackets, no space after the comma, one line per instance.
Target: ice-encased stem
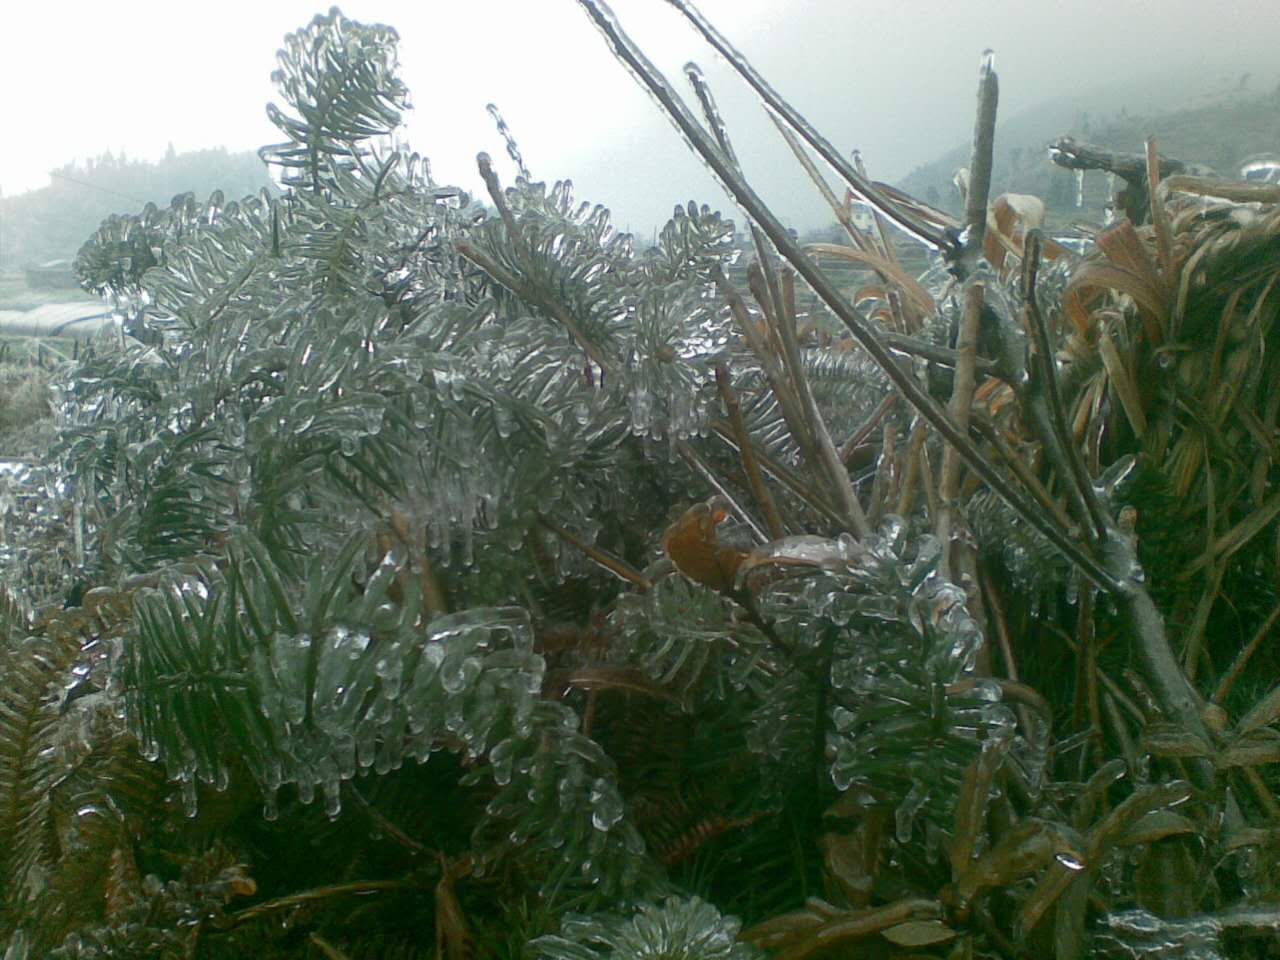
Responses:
[650,78]
[820,144]
[966,345]
[779,308]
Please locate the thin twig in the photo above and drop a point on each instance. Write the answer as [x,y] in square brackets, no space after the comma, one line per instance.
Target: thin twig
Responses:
[500,201]
[1237,536]
[1092,701]
[744,599]
[1195,636]
[840,209]
[943,356]
[779,472]
[619,568]
[777,303]
[1011,690]
[1242,658]
[911,476]
[699,464]
[1021,470]
[434,599]
[988,588]
[384,824]
[1002,624]
[863,432]
[788,402]
[833,466]
[702,90]
[887,485]
[961,404]
[882,229]
[964,382]
[775,103]
[433,596]
[1238,191]
[1159,216]
[769,298]
[1113,688]
[747,453]
[314,895]
[931,499]
[984,137]
[329,950]
[1077,474]
[1121,731]
[1260,790]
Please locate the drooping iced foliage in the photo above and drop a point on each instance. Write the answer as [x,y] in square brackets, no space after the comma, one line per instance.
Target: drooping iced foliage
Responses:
[371,358]
[312,372]
[315,682]
[900,644]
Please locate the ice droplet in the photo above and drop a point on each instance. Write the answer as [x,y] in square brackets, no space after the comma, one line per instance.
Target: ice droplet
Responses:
[904,817]
[333,798]
[606,804]
[641,411]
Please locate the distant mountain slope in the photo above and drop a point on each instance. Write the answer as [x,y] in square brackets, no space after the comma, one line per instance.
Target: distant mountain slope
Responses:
[53,221]
[1219,129]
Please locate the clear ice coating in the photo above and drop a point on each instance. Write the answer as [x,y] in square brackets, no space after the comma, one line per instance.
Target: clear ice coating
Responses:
[368,690]
[681,929]
[1141,935]
[647,74]
[361,687]
[908,716]
[513,150]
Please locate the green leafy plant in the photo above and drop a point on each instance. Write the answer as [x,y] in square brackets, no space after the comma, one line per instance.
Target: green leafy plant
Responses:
[390,488]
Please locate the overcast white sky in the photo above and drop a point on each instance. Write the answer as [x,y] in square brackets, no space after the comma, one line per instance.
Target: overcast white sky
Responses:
[895,78]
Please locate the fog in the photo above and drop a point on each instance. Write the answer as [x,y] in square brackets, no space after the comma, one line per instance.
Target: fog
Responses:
[894,78]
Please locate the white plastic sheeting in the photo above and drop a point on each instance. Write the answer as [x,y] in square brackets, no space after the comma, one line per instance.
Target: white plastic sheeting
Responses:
[82,319]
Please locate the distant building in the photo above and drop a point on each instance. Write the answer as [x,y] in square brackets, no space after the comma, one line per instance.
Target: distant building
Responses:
[1261,168]
[862,216]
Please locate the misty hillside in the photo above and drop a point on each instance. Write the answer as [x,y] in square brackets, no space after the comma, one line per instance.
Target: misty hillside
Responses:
[1218,129]
[52,222]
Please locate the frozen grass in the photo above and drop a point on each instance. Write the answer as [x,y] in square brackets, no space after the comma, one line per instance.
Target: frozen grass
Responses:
[26,416]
